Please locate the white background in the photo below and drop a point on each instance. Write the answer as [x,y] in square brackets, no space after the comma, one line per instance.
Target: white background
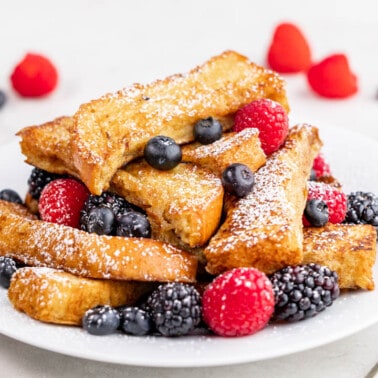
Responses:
[101,46]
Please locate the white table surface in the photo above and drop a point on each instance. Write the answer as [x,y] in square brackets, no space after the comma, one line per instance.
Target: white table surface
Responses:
[101,46]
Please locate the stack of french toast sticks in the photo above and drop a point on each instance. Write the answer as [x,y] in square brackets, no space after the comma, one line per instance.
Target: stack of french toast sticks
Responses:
[196,227]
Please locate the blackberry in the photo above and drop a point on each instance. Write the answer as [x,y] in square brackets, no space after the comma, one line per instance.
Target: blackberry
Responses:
[207,130]
[101,320]
[302,291]
[38,180]
[7,267]
[10,196]
[175,308]
[362,208]
[238,179]
[135,321]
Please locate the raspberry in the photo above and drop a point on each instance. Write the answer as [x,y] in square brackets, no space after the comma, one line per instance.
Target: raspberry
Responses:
[62,200]
[335,199]
[34,76]
[289,50]
[269,117]
[332,77]
[321,167]
[238,302]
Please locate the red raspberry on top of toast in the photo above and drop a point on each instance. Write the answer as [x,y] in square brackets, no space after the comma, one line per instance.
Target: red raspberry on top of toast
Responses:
[269,117]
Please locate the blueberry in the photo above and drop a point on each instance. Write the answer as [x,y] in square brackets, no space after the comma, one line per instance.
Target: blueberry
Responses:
[135,321]
[3,98]
[316,212]
[162,153]
[133,224]
[238,179]
[207,130]
[101,320]
[10,196]
[100,221]
[312,175]
[7,268]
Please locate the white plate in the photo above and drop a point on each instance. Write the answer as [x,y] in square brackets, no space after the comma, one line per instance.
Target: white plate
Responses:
[353,160]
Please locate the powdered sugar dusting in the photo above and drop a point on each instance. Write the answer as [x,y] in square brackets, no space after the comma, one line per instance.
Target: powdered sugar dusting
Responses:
[273,209]
[127,119]
[40,243]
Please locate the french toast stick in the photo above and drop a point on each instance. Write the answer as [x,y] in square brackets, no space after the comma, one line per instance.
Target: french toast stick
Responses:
[184,202]
[243,147]
[58,297]
[39,243]
[48,146]
[264,229]
[348,249]
[112,130]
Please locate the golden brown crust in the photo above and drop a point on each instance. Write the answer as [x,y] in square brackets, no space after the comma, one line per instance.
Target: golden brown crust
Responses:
[185,202]
[349,250]
[39,243]
[54,296]
[243,147]
[48,146]
[112,130]
[264,229]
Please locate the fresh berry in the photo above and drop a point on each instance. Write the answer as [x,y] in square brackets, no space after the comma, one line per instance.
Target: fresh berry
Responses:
[321,167]
[135,321]
[101,320]
[34,76]
[10,196]
[239,302]
[289,50]
[316,213]
[312,175]
[238,179]
[101,214]
[334,198]
[207,130]
[269,117]
[100,221]
[302,291]
[133,224]
[175,308]
[38,179]
[162,153]
[3,98]
[332,77]
[7,267]
[362,208]
[62,200]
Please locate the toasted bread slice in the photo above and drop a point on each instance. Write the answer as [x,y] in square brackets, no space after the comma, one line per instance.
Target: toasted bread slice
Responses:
[243,147]
[264,229]
[39,243]
[186,201]
[48,146]
[58,297]
[112,130]
[349,250]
